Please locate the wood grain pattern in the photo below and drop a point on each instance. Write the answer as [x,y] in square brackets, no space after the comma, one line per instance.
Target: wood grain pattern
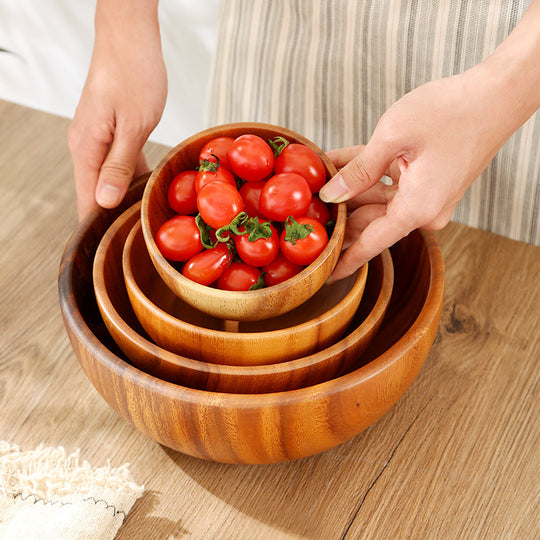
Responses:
[234,305]
[129,334]
[177,327]
[456,457]
[260,428]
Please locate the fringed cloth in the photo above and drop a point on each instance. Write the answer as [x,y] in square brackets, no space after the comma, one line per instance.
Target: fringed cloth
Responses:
[47,493]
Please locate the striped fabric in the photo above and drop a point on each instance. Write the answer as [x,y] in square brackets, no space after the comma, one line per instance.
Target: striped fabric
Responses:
[329,69]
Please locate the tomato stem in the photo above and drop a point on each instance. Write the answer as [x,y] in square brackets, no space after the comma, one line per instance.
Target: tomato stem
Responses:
[204,229]
[223,233]
[259,284]
[278,144]
[210,166]
[295,231]
[256,229]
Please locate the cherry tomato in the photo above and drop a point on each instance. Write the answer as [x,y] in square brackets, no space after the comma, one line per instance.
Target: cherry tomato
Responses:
[179,238]
[251,193]
[303,240]
[208,265]
[283,195]
[251,158]
[210,172]
[318,210]
[219,203]
[181,195]
[303,160]
[260,251]
[239,276]
[217,147]
[280,269]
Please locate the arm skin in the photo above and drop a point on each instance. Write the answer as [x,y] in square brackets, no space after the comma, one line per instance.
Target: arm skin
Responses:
[434,142]
[121,102]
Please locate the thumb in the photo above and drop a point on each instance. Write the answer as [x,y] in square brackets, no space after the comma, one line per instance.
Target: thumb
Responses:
[361,173]
[118,169]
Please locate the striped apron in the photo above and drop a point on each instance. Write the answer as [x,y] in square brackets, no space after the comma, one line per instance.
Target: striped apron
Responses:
[329,69]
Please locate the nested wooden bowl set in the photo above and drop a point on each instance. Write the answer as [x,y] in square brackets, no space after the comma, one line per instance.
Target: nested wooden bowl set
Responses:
[253,377]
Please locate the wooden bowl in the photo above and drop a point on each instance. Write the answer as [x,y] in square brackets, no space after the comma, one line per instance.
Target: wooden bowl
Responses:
[118,315]
[243,305]
[260,428]
[176,326]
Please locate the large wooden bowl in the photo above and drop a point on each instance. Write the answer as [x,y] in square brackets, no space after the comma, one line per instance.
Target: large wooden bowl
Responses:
[119,317]
[243,305]
[261,428]
[176,326]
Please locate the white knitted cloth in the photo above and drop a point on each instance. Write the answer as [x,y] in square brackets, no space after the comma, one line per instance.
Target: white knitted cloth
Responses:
[48,494]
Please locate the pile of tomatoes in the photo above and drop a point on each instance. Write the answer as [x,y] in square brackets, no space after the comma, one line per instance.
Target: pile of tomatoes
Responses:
[249,216]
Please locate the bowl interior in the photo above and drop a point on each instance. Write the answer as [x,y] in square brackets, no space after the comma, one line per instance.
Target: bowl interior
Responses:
[245,305]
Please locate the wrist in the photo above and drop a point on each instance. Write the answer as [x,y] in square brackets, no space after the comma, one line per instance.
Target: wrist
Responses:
[513,70]
[118,22]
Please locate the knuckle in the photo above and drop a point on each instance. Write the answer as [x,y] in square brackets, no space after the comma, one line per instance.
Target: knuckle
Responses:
[356,174]
[116,169]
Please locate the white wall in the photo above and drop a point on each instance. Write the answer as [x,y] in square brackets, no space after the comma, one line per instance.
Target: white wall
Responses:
[52,41]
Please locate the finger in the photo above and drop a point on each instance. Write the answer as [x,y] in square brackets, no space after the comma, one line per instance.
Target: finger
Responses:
[381,233]
[88,153]
[118,168]
[378,194]
[341,156]
[360,219]
[361,173]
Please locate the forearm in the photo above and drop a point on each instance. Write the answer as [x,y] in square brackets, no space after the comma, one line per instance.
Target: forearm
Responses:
[510,77]
[118,21]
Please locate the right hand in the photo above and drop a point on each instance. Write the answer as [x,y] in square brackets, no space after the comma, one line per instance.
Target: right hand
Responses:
[121,103]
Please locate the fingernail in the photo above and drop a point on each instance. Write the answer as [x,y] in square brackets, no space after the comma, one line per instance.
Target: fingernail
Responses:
[335,191]
[108,196]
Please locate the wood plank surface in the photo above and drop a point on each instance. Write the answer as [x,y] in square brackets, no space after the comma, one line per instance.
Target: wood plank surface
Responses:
[457,457]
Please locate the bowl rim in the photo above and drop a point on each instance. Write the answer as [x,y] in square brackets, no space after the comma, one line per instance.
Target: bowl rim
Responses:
[248,371]
[358,283]
[167,270]
[429,313]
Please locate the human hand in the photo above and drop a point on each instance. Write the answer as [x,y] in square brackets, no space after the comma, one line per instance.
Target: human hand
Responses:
[433,143]
[121,103]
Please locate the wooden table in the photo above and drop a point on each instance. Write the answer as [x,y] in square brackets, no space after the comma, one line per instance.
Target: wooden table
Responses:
[457,457]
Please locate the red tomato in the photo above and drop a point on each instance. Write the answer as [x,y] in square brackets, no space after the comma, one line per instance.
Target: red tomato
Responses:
[257,252]
[181,195]
[251,193]
[208,265]
[251,158]
[284,195]
[300,244]
[303,160]
[318,210]
[219,203]
[280,269]
[210,172]
[179,238]
[239,276]
[217,147]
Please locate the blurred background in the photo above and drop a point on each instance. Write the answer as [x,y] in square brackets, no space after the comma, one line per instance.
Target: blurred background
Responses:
[50,44]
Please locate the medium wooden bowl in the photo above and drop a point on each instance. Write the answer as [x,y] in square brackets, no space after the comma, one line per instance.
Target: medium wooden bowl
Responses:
[233,305]
[118,315]
[261,428]
[177,327]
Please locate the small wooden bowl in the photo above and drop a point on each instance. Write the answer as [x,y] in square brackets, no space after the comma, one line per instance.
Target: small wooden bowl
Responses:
[260,428]
[118,315]
[177,327]
[232,305]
